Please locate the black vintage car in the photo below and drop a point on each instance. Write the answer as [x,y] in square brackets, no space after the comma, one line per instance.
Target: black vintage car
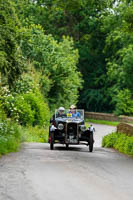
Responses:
[69,129]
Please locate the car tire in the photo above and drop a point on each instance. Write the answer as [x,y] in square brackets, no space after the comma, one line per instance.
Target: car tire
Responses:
[52,141]
[91,141]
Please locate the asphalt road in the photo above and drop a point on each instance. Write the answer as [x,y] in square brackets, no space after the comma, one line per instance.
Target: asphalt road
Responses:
[37,173]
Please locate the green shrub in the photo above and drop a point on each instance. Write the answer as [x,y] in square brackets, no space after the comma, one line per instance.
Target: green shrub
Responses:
[22,111]
[38,107]
[2,114]
[9,137]
[18,109]
[119,141]
[27,109]
[124,103]
[109,140]
[24,84]
[128,147]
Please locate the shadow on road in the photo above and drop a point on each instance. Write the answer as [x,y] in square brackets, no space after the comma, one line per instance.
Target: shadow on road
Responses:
[63,148]
[58,147]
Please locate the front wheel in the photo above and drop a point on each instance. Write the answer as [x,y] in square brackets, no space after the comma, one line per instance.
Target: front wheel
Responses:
[91,142]
[52,141]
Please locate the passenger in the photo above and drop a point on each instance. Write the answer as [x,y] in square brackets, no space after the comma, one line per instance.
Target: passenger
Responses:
[73,111]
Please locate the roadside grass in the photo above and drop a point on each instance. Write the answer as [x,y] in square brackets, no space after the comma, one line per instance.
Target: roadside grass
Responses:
[34,134]
[12,135]
[120,142]
[111,123]
[9,137]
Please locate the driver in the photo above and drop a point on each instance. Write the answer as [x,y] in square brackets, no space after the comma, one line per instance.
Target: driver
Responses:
[61,113]
[73,111]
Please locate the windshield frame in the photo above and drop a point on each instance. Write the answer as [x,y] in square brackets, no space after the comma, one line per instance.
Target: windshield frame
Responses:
[69,115]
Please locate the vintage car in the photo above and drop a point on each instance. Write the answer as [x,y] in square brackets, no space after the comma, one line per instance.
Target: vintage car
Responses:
[70,129]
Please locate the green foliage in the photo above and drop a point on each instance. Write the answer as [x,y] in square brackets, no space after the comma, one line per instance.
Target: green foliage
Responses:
[121,142]
[82,21]
[53,77]
[11,61]
[2,113]
[102,33]
[34,134]
[9,137]
[27,109]
[47,49]
[23,85]
[124,103]
[20,110]
[56,61]
[109,140]
[39,108]
[118,48]
[111,123]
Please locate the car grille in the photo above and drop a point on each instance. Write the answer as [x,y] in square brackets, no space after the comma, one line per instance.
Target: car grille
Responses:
[72,130]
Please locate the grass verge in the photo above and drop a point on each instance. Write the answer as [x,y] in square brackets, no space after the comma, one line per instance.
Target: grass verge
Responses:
[12,135]
[111,123]
[120,142]
[9,137]
[34,134]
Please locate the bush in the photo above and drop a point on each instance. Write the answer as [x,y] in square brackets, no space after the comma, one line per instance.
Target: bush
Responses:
[18,109]
[109,140]
[27,109]
[11,59]
[124,103]
[119,141]
[38,107]
[2,114]
[9,137]
[57,63]
[24,84]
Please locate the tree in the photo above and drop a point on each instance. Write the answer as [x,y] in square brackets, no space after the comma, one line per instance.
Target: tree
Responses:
[82,21]
[11,62]
[102,33]
[119,48]
[56,61]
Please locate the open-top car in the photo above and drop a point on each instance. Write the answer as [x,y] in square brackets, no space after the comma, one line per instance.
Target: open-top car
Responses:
[68,128]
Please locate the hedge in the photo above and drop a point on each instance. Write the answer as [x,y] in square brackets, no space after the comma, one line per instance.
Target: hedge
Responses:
[120,142]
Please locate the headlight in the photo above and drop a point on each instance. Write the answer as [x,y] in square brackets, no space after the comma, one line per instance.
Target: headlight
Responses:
[60,126]
[83,128]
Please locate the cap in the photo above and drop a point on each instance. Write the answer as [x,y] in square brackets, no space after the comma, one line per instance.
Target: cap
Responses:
[61,109]
[72,107]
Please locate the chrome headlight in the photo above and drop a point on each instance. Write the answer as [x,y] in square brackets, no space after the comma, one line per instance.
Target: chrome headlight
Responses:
[83,128]
[60,126]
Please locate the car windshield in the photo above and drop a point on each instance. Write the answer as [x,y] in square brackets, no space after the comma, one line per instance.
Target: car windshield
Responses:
[70,113]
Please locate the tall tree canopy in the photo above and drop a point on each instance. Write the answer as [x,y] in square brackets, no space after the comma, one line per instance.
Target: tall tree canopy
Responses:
[11,61]
[82,21]
[25,41]
[64,39]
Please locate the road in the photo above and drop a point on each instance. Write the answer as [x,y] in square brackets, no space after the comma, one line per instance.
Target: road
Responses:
[37,173]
